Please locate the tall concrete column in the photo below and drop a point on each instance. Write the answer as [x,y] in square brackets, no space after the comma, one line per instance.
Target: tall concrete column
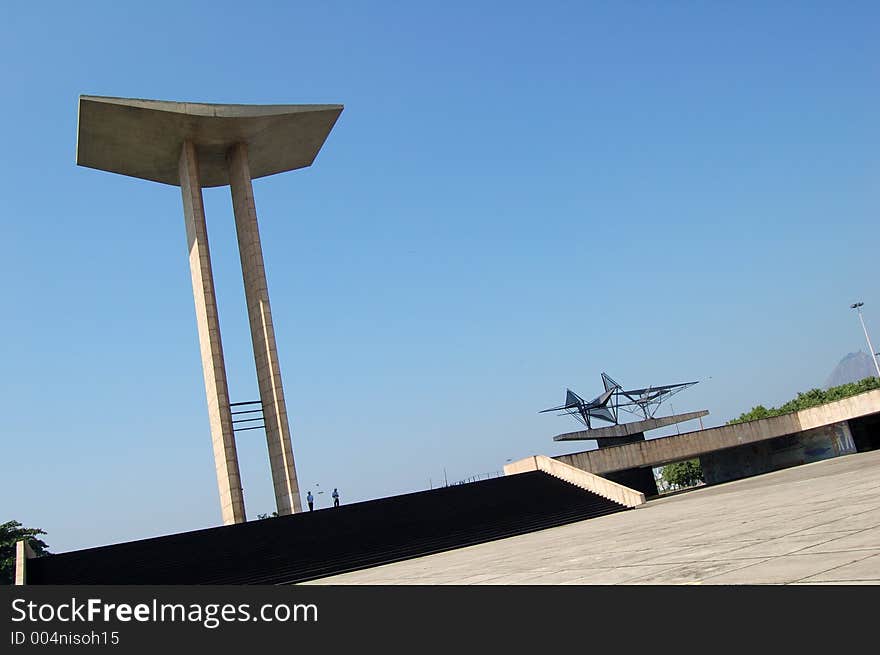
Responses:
[213,365]
[262,332]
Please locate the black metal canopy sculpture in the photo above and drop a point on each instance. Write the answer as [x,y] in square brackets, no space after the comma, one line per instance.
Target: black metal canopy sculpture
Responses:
[607,405]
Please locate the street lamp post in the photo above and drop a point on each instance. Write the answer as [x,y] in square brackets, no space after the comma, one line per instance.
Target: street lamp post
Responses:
[858,307]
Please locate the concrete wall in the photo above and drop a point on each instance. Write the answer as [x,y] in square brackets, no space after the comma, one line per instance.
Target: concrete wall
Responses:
[657,452]
[598,485]
[779,453]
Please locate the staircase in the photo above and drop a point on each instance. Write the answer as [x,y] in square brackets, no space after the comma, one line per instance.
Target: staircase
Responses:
[325,542]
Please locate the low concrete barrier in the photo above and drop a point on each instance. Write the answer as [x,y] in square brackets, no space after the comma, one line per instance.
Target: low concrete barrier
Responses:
[598,485]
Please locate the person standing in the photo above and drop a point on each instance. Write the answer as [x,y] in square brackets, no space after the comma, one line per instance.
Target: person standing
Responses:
[310,499]
[335,497]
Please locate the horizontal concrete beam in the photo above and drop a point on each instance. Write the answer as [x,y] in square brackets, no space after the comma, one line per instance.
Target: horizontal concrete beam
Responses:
[657,452]
[628,429]
[598,485]
[143,138]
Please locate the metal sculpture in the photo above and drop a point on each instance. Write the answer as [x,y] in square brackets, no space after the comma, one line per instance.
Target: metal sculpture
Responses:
[607,405]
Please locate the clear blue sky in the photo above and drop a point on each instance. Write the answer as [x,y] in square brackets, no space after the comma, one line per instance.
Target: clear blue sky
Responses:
[517,197]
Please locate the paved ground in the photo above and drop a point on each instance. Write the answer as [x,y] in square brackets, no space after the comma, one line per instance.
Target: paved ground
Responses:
[813,524]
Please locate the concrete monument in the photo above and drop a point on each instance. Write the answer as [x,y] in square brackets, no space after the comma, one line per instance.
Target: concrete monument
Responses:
[195,145]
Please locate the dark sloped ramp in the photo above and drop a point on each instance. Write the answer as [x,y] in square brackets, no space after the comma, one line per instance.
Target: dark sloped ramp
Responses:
[325,542]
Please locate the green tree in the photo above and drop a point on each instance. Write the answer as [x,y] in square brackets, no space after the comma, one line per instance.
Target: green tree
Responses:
[10,532]
[683,474]
[811,398]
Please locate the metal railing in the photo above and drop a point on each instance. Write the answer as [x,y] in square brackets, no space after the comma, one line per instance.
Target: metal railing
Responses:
[237,424]
[479,476]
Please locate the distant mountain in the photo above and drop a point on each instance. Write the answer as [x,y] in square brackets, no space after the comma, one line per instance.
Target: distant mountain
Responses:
[852,368]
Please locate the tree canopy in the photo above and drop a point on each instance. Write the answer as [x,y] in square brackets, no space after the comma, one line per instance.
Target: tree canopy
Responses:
[683,474]
[10,532]
[811,398]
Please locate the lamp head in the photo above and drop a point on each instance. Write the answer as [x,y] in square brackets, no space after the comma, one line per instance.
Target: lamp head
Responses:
[856,305]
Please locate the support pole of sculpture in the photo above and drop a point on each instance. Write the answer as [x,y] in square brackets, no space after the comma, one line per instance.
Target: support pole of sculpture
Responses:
[213,365]
[262,333]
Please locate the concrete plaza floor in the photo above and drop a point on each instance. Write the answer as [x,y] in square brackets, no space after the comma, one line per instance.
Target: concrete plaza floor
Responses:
[812,524]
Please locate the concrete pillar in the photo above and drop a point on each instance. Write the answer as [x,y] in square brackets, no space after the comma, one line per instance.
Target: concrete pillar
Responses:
[213,365]
[23,553]
[262,333]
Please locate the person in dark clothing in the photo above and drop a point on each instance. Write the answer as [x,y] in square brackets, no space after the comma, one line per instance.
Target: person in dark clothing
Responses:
[310,499]
[335,497]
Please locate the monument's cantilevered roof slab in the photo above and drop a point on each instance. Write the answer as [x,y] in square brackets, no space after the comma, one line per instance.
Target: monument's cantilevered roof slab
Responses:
[142,138]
